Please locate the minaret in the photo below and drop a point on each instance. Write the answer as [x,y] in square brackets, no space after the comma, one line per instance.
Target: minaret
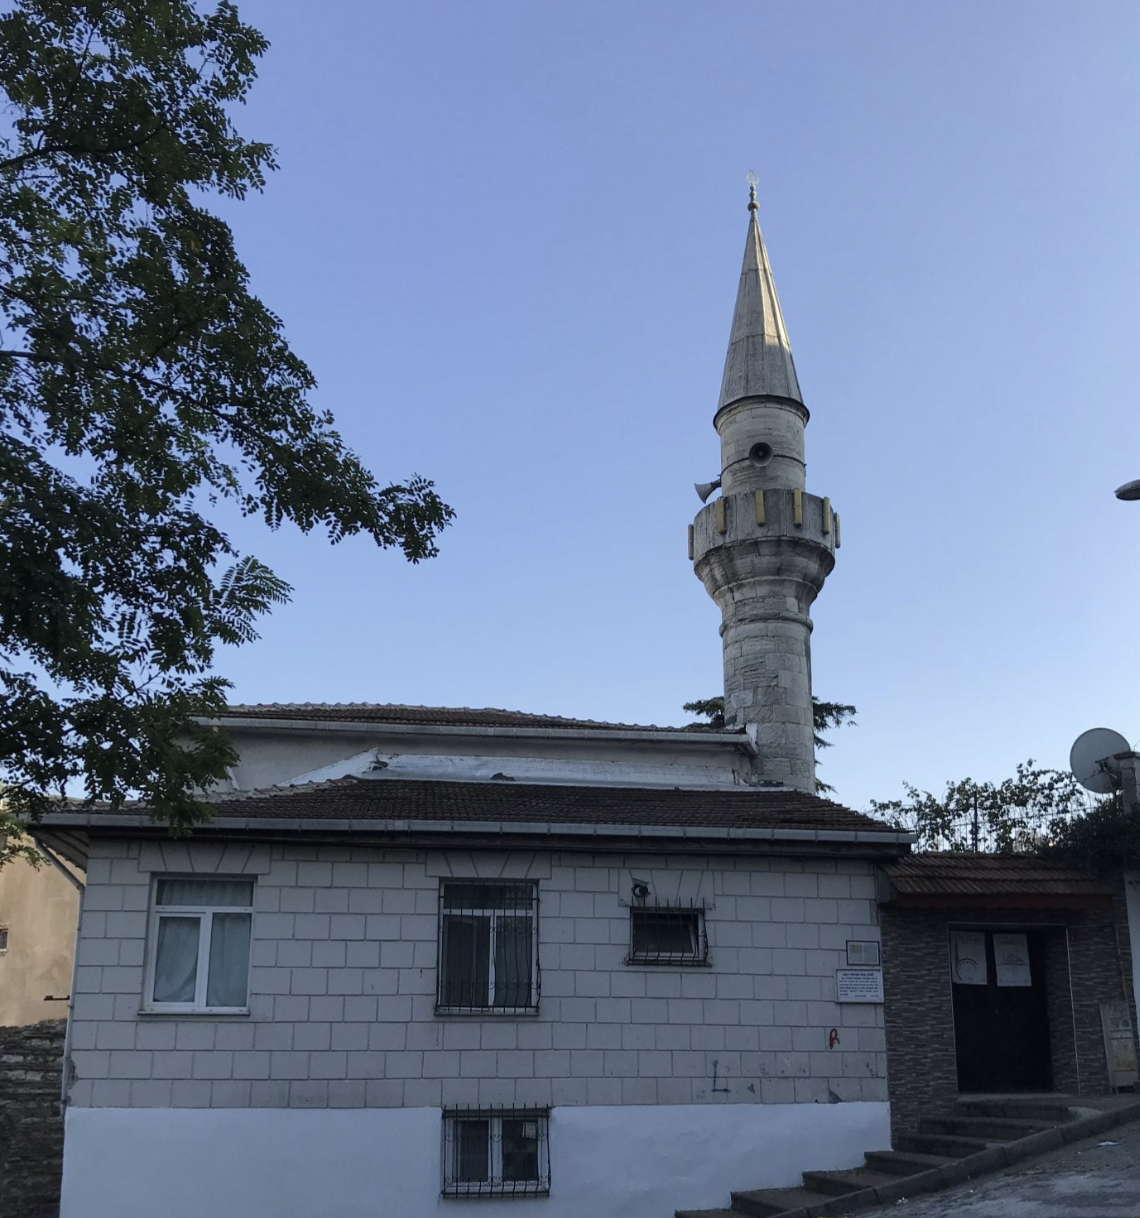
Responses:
[764,547]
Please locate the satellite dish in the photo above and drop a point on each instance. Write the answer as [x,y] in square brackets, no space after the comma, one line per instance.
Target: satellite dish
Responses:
[1091,759]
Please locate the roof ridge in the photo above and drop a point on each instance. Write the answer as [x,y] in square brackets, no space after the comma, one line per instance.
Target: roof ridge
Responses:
[457,715]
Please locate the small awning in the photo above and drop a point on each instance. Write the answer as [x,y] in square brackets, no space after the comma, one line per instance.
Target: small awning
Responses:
[965,880]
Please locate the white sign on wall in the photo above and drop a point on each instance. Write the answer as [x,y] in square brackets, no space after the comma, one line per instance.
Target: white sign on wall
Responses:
[859,984]
[968,957]
[1011,956]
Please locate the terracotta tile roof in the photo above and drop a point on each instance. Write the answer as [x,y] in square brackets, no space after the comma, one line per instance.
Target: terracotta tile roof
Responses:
[442,716]
[506,802]
[964,877]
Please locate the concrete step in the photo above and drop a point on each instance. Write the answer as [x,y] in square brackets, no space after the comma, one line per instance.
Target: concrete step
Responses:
[1029,1108]
[706,1213]
[904,1162]
[995,1129]
[840,1183]
[770,1202]
[951,1145]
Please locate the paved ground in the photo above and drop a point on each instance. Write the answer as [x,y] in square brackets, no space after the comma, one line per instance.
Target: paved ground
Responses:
[1084,1180]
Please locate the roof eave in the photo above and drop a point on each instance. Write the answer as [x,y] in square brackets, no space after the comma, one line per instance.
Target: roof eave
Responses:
[1001,900]
[734,740]
[886,843]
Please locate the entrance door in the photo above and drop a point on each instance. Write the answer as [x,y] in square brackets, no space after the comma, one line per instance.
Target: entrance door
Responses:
[1001,1030]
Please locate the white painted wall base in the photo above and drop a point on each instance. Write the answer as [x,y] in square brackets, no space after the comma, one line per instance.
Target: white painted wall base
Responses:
[637,1161]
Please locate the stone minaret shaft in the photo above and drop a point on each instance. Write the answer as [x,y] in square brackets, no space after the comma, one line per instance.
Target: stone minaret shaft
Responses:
[764,547]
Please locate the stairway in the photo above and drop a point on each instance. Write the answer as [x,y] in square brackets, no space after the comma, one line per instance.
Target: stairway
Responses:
[975,1125]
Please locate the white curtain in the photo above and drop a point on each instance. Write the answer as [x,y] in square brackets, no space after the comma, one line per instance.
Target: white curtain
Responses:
[229,960]
[176,959]
[194,892]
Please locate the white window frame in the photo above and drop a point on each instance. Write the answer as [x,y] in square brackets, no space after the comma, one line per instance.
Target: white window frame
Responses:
[529,909]
[205,916]
[495,1186]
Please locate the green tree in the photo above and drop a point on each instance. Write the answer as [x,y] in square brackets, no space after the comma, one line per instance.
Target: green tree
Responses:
[825,716]
[140,383]
[1104,840]
[1025,812]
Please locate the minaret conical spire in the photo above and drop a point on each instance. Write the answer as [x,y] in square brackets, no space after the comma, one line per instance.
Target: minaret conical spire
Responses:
[759,362]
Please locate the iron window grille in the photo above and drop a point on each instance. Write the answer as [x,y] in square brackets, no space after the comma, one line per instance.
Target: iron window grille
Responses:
[3,938]
[496,1152]
[669,934]
[488,947]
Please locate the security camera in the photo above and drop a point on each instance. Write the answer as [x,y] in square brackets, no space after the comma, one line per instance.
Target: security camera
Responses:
[640,890]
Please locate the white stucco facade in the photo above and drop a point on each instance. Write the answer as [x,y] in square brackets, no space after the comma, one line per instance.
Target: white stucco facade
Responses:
[639,1162]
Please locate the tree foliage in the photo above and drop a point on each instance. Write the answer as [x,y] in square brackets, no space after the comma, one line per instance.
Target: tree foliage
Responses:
[825,716]
[141,383]
[1039,811]
[1018,813]
[1103,841]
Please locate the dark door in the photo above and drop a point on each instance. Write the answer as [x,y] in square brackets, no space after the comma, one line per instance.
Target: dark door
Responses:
[1001,1031]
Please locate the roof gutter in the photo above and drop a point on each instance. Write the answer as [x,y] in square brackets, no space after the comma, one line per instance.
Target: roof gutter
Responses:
[735,740]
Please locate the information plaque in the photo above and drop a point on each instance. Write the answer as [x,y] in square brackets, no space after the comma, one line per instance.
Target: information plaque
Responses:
[859,984]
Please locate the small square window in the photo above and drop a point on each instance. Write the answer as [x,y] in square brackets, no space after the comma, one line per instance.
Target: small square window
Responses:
[667,935]
[199,946]
[863,953]
[490,1152]
[488,947]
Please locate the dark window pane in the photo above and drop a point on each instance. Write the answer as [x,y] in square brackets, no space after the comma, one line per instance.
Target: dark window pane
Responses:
[488,896]
[513,950]
[472,1145]
[665,932]
[465,961]
[520,1149]
[176,959]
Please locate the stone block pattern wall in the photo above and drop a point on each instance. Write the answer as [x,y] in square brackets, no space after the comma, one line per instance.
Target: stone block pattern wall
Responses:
[31,1128]
[922,1066]
[1087,962]
[343,986]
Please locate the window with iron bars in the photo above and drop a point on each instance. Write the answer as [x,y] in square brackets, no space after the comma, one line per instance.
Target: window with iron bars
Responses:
[488,947]
[667,934]
[496,1152]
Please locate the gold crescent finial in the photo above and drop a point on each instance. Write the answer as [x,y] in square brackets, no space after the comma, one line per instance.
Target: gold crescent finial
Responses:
[751,178]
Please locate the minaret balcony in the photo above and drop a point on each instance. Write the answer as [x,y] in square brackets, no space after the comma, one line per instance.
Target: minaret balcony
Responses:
[777,522]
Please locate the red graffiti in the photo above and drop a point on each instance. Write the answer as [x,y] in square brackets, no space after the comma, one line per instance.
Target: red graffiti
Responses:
[833,1038]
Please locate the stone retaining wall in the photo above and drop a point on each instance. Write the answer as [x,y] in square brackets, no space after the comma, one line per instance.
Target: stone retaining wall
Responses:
[31,1127]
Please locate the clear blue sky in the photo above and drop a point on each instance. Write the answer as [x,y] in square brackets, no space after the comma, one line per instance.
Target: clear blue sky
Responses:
[506,237]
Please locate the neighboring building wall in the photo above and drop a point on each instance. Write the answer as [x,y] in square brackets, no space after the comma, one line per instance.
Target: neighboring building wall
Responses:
[39,907]
[342,996]
[1087,962]
[31,1127]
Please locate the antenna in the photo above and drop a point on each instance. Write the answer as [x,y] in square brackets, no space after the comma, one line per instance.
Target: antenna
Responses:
[1093,759]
